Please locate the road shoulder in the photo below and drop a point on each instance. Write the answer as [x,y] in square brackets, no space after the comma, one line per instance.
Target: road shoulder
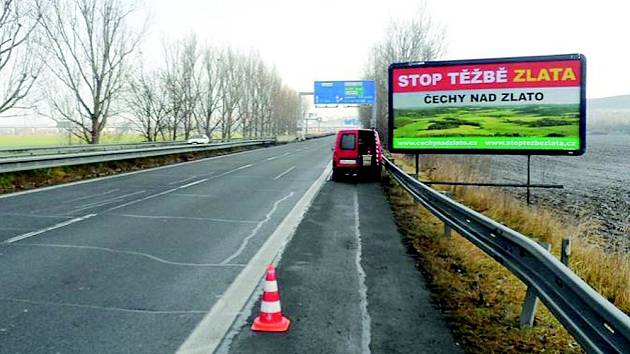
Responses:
[321,284]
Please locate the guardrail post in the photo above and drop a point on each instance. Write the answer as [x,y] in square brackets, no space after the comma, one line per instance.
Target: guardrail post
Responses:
[565,251]
[528,313]
[447,230]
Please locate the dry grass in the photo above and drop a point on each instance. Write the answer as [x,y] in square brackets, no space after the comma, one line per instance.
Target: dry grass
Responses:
[589,259]
[481,298]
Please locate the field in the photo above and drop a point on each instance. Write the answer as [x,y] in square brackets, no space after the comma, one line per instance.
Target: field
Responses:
[8,141]
[596,184]
[509,121]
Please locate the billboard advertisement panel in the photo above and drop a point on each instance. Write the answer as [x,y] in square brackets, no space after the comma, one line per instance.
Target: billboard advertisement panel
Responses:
[344,92]
[517,106]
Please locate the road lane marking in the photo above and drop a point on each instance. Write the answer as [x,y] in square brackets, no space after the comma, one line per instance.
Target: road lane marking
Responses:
[141,199]
[89,196]
[181,180]
[37,215]
[209,333]
[56,226]
[166,217]
[259,225]
[132,253]
[105,308]
[234,170]
[178,188]
[278,156]
[104,202]
[195,195]
[192,183]
[284,173]
[366,322]
[156,195]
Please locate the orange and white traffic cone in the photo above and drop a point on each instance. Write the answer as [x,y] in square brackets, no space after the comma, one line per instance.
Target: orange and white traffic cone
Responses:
[270,318]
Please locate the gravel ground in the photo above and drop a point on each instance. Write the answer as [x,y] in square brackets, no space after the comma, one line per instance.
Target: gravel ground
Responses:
[596,184]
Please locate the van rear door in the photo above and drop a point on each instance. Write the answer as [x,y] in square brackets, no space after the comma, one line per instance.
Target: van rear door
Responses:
[346,150]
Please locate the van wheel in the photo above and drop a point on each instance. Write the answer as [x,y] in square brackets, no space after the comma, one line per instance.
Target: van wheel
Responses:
[335,175]
[376,174]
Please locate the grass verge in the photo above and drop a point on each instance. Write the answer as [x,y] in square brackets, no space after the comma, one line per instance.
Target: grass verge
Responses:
[23,180]
[481,299]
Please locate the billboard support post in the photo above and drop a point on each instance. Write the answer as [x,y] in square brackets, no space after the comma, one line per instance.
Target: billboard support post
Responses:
[417,166]
[529,160]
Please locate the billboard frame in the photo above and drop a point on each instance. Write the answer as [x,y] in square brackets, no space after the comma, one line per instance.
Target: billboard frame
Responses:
[420,64]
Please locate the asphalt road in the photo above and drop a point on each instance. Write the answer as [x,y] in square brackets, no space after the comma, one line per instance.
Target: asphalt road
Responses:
[132,264]
[348,284]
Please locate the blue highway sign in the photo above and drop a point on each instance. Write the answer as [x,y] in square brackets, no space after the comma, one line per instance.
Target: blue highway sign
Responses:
[344,92]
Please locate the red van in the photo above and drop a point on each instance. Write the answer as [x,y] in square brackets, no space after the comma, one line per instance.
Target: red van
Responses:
[357,151]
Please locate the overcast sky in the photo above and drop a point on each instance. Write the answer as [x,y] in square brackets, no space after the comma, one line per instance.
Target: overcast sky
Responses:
[329,40]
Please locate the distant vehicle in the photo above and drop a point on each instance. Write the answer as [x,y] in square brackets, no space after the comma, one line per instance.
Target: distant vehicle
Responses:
[357,151]
[198,139]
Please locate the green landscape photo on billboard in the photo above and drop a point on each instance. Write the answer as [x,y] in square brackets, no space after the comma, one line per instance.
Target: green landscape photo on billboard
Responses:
[531,124]
[533,105]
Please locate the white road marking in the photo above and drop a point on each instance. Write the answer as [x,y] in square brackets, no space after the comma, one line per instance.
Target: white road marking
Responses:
[231,171]
[38,216]
[166,217]
[104,308]
[156,195]
[104,202]
[208,334]
[284,173]
[193,195]
[89,196]
[278,156]
[56,226]
[181,180]
[363,303]
[254,232]
[133,253]
[141,199]
[192,183]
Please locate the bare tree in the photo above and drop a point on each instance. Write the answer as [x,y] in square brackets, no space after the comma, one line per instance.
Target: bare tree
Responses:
[231,70]
[223,90]
[209,92]
[19,65]
[88,46]
[146,101]
[415,39]
[182,83]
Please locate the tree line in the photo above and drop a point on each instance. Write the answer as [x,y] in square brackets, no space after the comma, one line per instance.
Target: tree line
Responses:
[79,62]
[417,38]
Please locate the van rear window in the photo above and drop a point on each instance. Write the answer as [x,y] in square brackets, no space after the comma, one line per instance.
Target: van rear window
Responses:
[347,142]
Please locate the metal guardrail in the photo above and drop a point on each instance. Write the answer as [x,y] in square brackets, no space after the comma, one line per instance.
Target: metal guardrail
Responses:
[22,163]
[66,149]
[594,322]
[316,136]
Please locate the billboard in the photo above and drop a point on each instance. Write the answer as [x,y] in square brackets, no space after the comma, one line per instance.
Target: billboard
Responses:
[344,92]
[516,106]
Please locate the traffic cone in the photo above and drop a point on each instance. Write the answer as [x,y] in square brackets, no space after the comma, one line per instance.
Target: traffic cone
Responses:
[270,318]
